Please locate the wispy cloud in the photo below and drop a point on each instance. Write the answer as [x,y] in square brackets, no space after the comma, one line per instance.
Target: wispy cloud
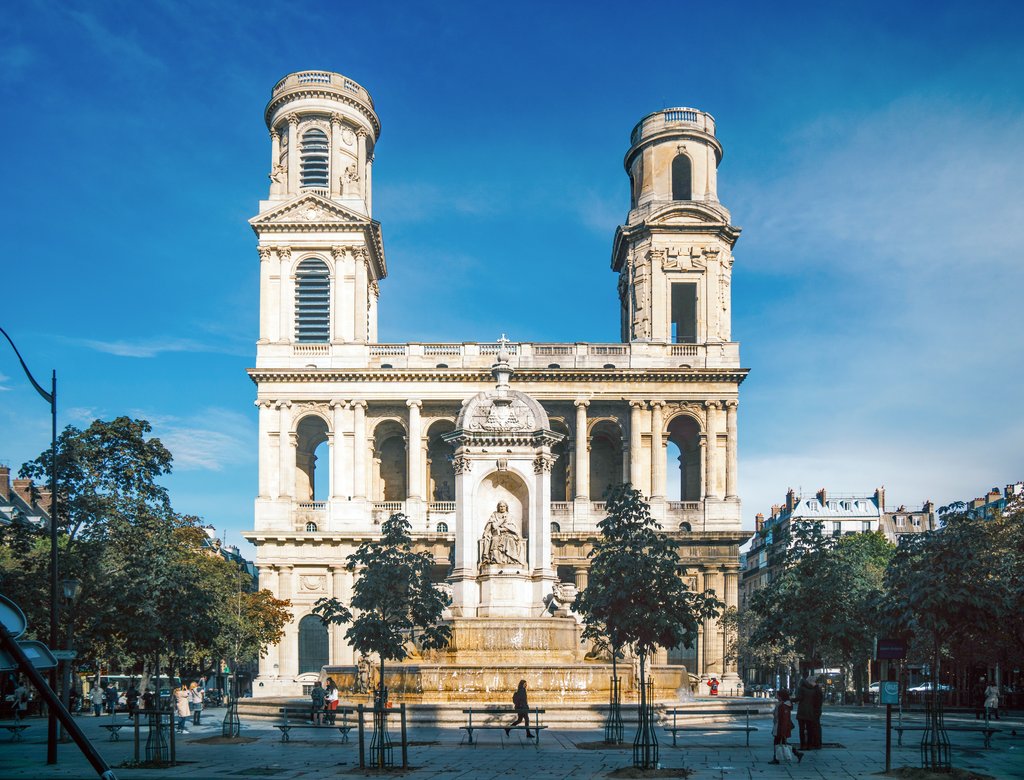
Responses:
[4,379]
[116,44]
[212,439]
[150,348]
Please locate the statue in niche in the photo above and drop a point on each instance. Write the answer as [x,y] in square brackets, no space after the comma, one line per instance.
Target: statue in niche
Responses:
[502,542]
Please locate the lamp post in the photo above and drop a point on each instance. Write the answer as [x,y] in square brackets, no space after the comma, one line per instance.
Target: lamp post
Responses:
[51,398]
[71,588]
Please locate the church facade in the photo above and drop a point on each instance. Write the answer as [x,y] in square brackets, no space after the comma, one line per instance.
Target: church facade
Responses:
[352,430]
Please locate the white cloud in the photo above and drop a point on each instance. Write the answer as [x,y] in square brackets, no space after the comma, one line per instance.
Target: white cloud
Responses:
[212,439]
[149,348]
[4,379]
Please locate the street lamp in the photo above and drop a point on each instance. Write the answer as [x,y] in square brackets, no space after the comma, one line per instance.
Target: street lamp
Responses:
[71,588]
[51,398]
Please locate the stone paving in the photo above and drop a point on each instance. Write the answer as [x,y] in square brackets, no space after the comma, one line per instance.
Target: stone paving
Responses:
[856,736]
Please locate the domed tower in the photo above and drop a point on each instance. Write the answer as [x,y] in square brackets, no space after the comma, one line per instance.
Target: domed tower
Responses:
[674,254]
[321,252]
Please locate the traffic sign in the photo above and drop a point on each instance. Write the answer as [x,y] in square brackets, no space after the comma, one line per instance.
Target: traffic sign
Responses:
[889,692]
[38,653]
[890,649]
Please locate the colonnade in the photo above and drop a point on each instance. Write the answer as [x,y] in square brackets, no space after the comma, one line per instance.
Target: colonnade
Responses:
[351,455]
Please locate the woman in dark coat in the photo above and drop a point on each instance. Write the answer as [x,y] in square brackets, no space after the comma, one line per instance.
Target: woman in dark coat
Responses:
[522,710]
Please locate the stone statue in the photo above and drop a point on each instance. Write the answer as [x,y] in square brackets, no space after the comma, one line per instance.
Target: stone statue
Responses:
[501,542]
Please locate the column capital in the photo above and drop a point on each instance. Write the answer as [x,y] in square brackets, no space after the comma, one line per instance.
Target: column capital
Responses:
[265,252]
[358,403]
[638,405]
[710,405]
[284,252]
[581,402]
[338,252]
[336,119]
[360,253]
[274,134]
[338,403]
[657,404]
[293,120]
[414,402]
[731,405]
[362,132]
[263,403]
[282,404]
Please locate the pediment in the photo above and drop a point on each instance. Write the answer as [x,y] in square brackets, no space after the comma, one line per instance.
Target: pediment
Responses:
[309,210]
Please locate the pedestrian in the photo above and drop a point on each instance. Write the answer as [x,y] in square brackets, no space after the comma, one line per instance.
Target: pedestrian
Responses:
[180,698]
[713,685]
[111,696]
[317,698]
[131,698]
[148,699]
[992,702]
[331,697]
[196,702]
[805,711]
[819,700]
[782,727]
[96,697]
[20,701]
[522,707]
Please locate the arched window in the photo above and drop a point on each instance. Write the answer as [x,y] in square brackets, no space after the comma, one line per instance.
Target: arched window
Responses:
[314,159]
[313,650]
[556,528]
[682,178]
[310,527]
[312,302]
[442,528]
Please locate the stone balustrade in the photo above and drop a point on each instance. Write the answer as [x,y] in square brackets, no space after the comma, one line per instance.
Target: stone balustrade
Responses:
[321,78]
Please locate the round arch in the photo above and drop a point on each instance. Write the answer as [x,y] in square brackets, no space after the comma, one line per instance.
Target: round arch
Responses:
[313,645]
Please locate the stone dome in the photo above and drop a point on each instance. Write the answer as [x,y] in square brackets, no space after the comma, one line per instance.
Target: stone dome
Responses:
[502,410]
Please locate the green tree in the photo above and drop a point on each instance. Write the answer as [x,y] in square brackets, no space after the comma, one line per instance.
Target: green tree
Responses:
[394,601]
[636,597]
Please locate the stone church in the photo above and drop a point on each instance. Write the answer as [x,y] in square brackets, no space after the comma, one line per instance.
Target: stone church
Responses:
[500,453]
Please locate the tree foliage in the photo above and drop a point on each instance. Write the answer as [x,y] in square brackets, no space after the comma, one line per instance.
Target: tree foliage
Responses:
[394,599]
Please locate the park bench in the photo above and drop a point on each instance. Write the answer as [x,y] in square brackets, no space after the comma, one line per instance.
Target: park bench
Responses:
[14,729]
[709,726]
[114,728]
[983,727]
[493,720]
[299,718]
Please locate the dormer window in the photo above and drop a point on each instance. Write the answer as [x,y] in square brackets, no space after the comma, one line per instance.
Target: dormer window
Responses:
[314,160]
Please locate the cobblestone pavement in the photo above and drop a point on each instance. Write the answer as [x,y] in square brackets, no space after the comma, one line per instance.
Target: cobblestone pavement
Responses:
[855,744]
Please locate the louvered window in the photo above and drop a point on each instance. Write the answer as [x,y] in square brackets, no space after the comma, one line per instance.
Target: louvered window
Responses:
[312,302]
[314,159]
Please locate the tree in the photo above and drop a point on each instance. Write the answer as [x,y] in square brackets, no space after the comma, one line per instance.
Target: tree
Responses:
[394,602]
[104,473]
[636,597]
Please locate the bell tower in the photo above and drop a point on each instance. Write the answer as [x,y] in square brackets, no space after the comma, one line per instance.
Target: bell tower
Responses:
[674,254]
[321,252]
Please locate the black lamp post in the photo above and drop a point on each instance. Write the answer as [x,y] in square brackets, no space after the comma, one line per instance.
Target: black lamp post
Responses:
[51,398]
[71,588]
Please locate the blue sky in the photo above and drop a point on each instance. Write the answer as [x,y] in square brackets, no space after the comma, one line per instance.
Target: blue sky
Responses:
[873,159]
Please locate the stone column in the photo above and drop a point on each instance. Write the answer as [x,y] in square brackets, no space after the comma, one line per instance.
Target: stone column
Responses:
[263,446]
[582,577]
[333,173]
[711,450]
[285,321]
[732,580]
[336,585]
[359,449]
[360,294]
[414,460]
[369,186]
[657,450]
[582,452]
[731,464]
[293,154]
[265,293]
[635,446]
[270,664]
[361,160]
[337,447]
[286,486]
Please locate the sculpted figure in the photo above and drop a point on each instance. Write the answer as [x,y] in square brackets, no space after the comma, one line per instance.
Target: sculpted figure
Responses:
[502,542]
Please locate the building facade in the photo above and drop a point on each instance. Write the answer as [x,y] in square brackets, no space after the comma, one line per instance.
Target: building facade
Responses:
[402,427]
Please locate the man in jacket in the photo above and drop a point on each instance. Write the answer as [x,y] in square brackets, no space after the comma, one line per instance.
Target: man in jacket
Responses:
[805,711]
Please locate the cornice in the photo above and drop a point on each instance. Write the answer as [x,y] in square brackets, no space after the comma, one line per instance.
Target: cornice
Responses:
[318,91]
[523,375]
[673,131]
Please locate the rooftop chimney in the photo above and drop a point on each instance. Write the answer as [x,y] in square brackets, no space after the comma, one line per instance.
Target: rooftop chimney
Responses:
[23,487]
[822,496]
[759,521]
[880,498]
[5,483]
[993,495]
[790,500]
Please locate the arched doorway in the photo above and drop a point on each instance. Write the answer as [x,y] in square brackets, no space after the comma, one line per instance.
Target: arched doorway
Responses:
[311,448]
[605,458]
[314,652]
[683,456]
[390,459]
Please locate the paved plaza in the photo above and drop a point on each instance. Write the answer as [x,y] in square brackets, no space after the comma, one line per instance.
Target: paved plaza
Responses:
[854,737]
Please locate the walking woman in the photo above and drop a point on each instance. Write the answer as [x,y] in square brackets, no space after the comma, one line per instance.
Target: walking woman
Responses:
[782,727]
[522,707]
[331,696]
